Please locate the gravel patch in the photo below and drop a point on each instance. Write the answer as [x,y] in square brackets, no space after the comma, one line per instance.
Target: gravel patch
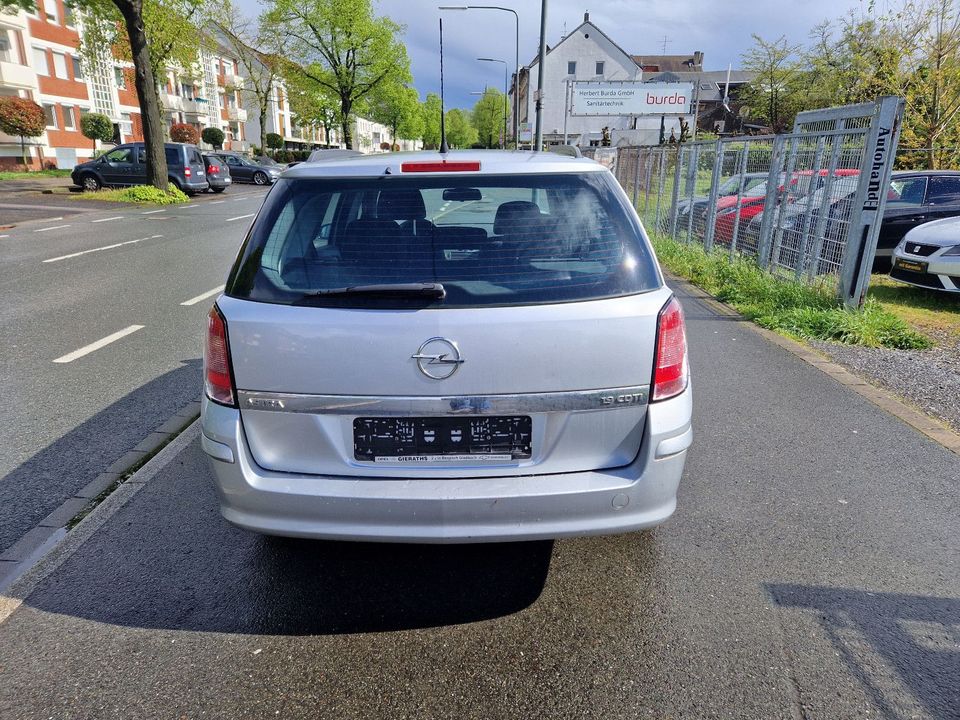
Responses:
[927,379]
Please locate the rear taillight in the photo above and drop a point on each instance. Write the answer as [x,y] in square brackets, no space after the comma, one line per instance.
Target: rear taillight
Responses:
[186,172]
[213,169]
[218,379]
[670,369]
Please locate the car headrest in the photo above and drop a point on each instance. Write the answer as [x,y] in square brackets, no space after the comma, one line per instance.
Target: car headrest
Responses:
[401,205]
[366,237]
[516,216]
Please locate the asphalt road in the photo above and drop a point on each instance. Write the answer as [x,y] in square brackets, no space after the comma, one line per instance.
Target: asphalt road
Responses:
[68,283]
[811,571]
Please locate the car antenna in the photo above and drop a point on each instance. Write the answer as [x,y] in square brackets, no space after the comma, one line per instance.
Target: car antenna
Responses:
[443,127]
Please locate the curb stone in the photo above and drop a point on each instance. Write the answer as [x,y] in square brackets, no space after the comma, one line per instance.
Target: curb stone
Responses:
[886,401]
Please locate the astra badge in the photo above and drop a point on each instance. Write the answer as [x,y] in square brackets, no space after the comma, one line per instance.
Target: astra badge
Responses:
[438,358]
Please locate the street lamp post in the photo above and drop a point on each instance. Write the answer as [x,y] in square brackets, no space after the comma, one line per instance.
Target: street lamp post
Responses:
[516,75]
[504,143]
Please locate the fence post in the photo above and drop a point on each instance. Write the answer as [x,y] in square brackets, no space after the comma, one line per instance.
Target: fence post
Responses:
[636,180]
[675,200]
[648,163]
[693,170]
[769,211]
[871,198]
[661,173]
[782,202]
[742,167]
[714,193]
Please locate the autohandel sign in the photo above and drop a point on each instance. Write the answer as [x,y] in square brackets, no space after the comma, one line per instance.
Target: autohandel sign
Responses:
[631,98]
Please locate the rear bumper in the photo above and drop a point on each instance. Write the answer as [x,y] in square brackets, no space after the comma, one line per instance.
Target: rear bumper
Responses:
[219,182]
[432,510]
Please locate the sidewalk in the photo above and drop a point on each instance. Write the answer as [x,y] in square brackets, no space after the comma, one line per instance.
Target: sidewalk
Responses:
[812,570]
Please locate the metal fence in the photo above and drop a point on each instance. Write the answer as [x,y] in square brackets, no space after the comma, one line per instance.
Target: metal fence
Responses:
[805,204]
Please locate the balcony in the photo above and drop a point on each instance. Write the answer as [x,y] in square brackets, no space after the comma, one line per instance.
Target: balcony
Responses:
[196,106]
[20,76]
[171,102]
[237,114]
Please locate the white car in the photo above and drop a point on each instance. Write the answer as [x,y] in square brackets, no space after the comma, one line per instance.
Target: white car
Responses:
[468,347]
[929,256]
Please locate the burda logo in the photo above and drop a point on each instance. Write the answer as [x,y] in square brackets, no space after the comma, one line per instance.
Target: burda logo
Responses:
[674,99]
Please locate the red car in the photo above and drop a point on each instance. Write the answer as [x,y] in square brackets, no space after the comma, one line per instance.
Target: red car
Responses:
[752,201]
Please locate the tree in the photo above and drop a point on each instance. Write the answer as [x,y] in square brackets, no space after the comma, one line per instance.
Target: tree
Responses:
[22,117]
[341,46]
[430,112]
[774,93]
[211,136]
[274,141]
[259,49]
[398,107]
[138,17]
[460,131]
[488,116]
[184,133]
[96,127]
[12,6]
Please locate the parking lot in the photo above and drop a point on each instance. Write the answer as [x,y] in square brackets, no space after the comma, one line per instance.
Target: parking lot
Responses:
[810,571]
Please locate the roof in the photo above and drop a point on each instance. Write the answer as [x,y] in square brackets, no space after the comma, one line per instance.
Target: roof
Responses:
[667,63]
[900,173]
[492,162]
[572,32]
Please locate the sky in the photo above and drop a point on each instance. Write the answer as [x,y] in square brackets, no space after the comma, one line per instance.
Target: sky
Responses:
[722,30]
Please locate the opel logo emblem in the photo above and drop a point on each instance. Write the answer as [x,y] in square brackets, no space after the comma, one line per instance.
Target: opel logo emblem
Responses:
[916,248]
[438,358]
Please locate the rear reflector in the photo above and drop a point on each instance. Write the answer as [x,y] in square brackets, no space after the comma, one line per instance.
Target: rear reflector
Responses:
[454,166]
[670,369]
[218,379]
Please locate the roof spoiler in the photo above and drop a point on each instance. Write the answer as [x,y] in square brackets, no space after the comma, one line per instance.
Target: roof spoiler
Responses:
[568,150]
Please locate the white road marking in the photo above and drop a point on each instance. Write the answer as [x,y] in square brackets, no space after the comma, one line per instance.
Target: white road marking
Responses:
[55,227]
[3,236]
[201,298]
[87,349]
[52,219]
[240,217]
[105,247]
[216,202]
[116,217]
[153,212]
[239,199]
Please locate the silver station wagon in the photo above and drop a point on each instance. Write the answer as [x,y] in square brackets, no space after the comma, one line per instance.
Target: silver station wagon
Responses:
[467,347]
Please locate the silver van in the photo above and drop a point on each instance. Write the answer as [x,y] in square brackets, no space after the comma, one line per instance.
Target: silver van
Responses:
[477,346]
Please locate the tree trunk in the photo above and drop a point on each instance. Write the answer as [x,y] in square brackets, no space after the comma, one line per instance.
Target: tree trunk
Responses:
[345,107]
[23,154]
[144,81]
[263,123]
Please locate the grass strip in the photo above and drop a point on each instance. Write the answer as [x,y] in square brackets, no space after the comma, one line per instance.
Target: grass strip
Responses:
[15,175]
[791,308]
[142,194]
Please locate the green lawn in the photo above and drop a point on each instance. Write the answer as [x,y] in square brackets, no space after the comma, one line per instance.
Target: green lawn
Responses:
[935,314]
[9,175]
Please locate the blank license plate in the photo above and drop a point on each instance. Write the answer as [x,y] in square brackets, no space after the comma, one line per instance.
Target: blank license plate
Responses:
[920,267]
[426,440]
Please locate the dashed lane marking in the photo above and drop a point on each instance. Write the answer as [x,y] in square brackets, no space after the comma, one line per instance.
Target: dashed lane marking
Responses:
[54,227]
[115,217]
[240,217]
[103,342]
[204,296]
[105,247]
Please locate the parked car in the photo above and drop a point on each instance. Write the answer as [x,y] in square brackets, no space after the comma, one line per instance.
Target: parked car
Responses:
[243,169]
[218,172]
[450,334]
[127,165]
[325,154]
[699,204]
[929,256]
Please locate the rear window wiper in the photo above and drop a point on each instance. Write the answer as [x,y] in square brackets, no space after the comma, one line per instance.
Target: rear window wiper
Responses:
[420,289]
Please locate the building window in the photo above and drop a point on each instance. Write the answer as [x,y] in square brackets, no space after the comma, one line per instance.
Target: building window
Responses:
[50,114]
[10,46]
[40,61]
[119,78]
[60,66]
[77,67]
[68,118]
[50,7]
[599,67]
[68,16]
[571,67]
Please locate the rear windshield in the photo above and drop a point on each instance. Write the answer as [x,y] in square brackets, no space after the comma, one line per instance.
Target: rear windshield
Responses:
[489,240]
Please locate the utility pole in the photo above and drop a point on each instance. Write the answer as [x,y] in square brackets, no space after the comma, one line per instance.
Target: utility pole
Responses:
[538,137]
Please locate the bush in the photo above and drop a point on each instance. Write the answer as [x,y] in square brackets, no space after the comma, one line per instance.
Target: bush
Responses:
[96,127]
[213,136]
[184,133]
[255,150]
[786,306]
[146,194]
[274,141]
[23,118]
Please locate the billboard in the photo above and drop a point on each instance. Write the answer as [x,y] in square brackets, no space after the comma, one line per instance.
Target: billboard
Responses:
[630,98]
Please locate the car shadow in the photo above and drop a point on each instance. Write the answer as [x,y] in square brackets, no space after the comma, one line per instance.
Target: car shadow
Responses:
[36,487]
[917,636]
[168,560]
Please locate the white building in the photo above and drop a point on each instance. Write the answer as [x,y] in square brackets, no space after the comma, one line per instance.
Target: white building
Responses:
[589,54]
